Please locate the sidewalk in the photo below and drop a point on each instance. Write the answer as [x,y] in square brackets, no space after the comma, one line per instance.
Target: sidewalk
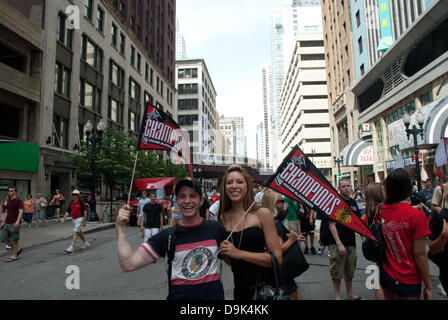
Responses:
[30,237]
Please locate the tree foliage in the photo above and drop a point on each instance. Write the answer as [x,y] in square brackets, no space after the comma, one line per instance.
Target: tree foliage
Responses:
[115,156]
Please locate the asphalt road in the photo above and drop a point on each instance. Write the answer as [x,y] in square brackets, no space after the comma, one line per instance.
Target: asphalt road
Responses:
[40,274]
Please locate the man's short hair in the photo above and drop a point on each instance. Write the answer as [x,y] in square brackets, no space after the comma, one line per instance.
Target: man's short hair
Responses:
[397,185]
[189,183]
[152,193]
[344,179]
[14,188]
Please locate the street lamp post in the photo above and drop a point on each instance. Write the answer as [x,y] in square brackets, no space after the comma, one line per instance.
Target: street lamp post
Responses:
[414,131]
[93,138]
[338,161]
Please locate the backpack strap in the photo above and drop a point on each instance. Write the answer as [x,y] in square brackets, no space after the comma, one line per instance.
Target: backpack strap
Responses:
[171,248]
[377,218]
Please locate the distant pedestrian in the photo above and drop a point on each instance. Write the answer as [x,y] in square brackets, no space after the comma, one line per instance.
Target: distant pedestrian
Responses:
[28,210]
[58,200]
[214,197]
[152,218]
[204,211]
[10,226]
[77,209]
[307,228]
[214,210]
[176,214]
[425,196]
[3,215]
[141,203]
[360,199]
[41,204]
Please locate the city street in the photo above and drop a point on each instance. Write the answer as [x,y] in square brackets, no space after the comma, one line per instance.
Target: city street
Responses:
[40,273]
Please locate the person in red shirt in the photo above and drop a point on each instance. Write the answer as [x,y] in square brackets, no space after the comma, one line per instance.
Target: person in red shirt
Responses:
[405,229]
[214,197]
[78,211]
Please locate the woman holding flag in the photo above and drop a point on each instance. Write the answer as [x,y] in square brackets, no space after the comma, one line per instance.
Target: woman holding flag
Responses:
[252,234]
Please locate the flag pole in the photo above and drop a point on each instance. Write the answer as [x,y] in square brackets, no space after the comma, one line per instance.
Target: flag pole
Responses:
[132,179]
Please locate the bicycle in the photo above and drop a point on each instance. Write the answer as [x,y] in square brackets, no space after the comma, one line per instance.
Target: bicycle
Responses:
[108,214]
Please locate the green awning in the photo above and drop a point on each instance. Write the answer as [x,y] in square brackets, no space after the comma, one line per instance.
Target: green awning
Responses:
[19,156]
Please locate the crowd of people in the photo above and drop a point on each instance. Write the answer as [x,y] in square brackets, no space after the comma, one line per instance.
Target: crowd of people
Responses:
[244,217]
[237,226]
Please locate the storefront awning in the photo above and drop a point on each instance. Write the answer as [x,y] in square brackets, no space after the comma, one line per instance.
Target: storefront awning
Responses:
[19,156]
[359,153]
[436,124]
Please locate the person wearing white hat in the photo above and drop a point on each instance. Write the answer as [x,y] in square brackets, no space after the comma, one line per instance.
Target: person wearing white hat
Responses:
[78,211]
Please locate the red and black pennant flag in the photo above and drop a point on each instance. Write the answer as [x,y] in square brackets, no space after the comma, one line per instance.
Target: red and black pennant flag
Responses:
[299,179]
[160,132]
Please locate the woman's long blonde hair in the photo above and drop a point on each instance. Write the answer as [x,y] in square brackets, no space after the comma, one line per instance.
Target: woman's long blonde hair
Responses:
[374,195]
[269,200]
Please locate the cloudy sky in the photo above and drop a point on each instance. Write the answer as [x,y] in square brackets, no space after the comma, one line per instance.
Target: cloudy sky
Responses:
[234,39]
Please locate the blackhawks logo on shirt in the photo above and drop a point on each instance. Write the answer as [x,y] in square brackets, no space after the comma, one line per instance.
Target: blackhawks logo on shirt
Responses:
[196,263]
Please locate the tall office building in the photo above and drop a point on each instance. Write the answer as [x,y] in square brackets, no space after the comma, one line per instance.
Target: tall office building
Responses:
[181,47]
[197,106]
[304,103]
[234,130]
[269,119]
[343,116]
[286,23]
[74,61]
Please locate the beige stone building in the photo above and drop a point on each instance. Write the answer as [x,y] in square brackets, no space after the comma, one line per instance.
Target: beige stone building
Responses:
[340,76]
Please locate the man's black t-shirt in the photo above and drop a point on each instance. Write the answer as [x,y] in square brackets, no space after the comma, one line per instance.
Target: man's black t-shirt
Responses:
[152,215]
[346,235]
[204,207]
[195,268]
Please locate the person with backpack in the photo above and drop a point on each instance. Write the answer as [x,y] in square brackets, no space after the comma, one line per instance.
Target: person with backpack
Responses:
[191,247]
[405,229]
[77,209]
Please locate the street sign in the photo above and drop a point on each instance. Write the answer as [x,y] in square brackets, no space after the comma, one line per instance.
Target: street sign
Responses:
[339,176]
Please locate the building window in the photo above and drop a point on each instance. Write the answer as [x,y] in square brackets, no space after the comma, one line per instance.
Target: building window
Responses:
[113,33]
[312,57]
[114,110]
[62,80]
[132,118]
[151,77]
[122,9]
[122,43]
[64,35]
[188,73]
[139,61]
[100,19]
[90,96]
[148,98]
[426,98]
[187,104]
[361,69]
[146,71]
[134,90]
[132,56]
[360,45]
[60,132]
[116,74]
[88,6]
[188,88]
[92,54]
[358,19]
